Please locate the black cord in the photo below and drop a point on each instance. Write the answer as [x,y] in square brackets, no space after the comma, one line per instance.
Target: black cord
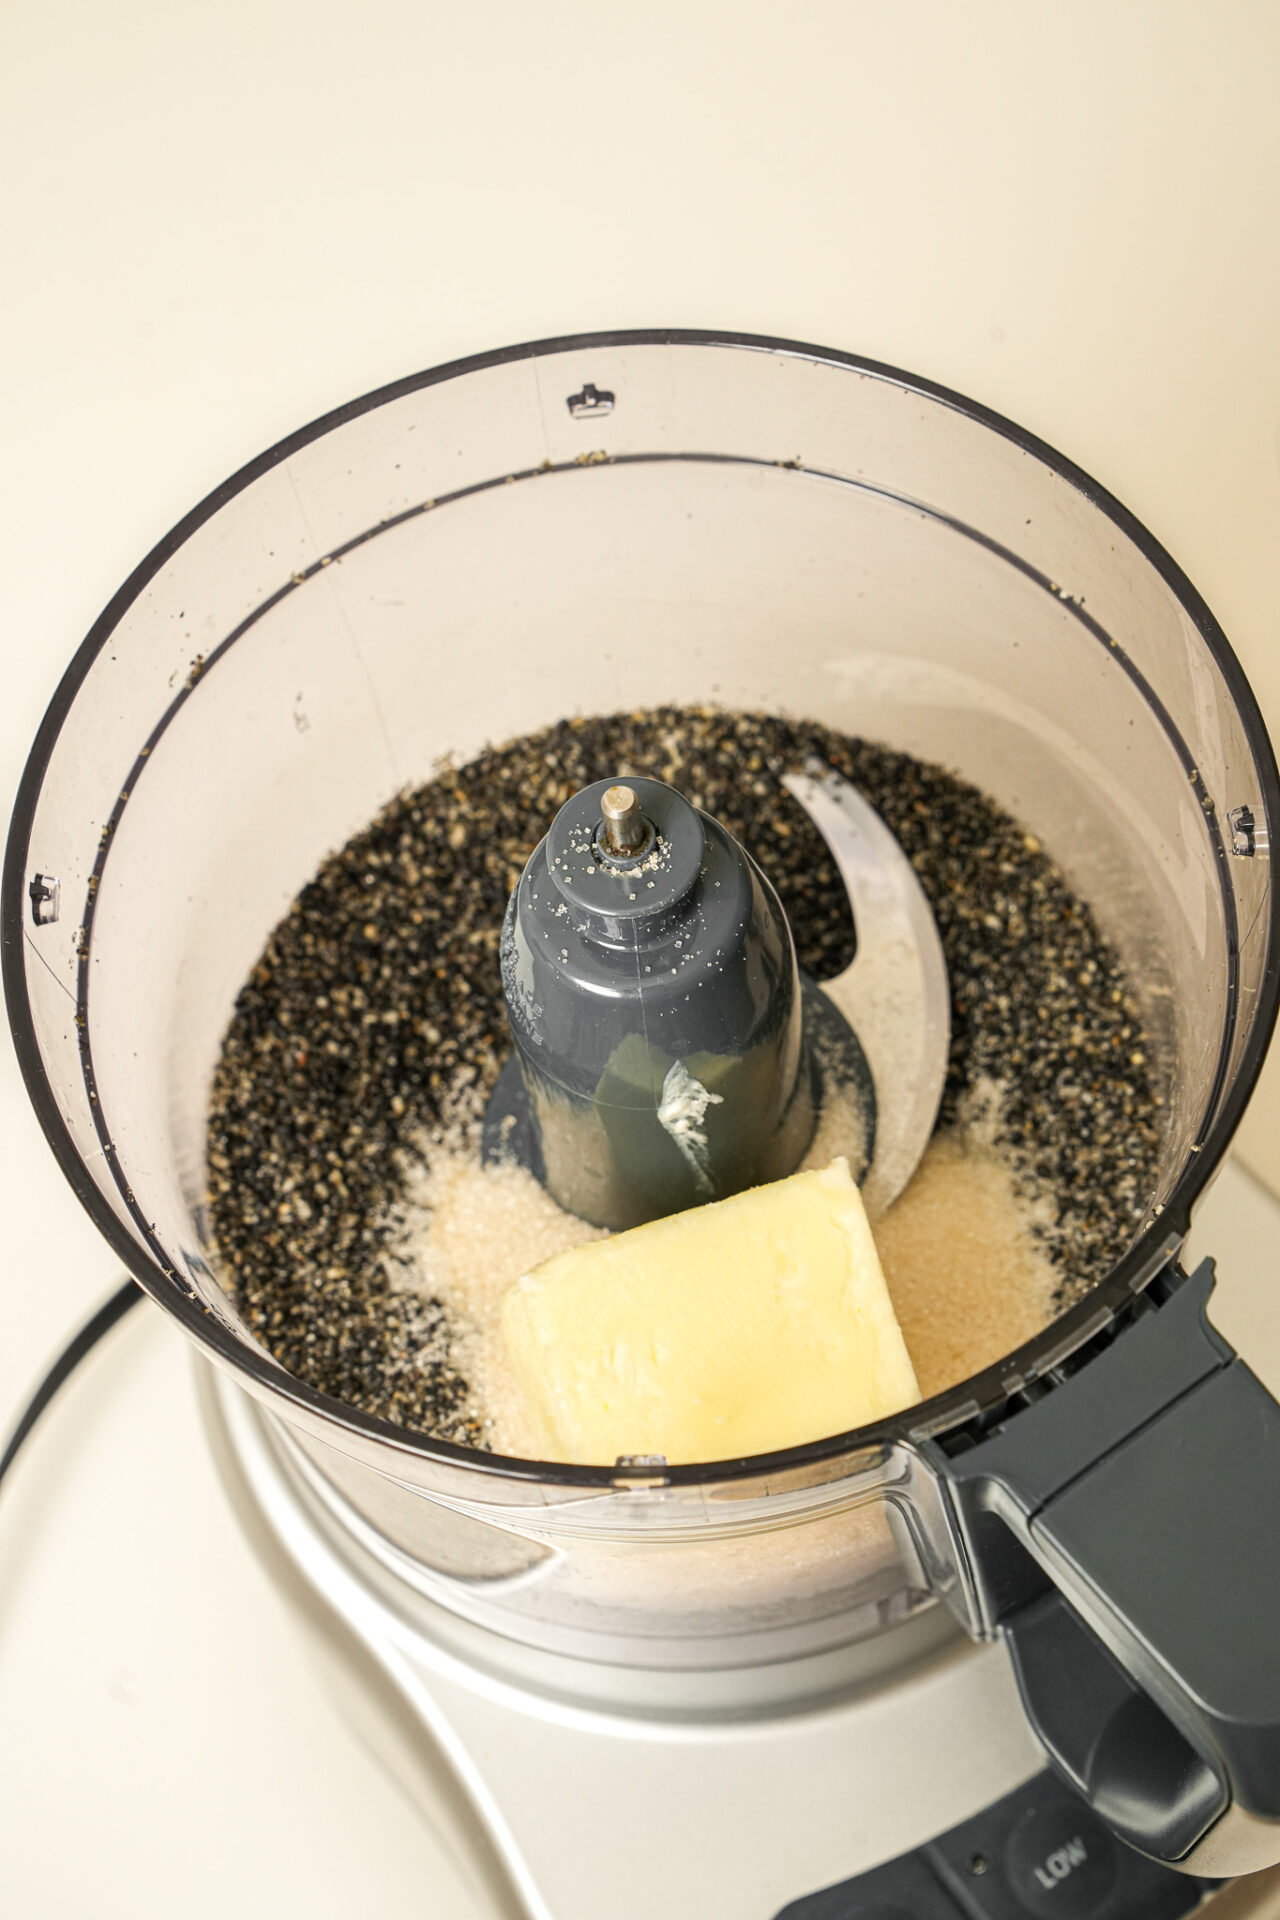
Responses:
[66,1363]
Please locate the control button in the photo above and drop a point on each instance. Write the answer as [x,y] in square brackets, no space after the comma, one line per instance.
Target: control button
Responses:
[1062,1862]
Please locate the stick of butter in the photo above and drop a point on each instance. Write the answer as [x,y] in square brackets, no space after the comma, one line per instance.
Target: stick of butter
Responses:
[753,1323]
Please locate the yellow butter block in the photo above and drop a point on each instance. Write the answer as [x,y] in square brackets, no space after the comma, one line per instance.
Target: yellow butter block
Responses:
[753,1323]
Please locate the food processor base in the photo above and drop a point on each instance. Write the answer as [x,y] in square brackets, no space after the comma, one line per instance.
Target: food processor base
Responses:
[640,1795]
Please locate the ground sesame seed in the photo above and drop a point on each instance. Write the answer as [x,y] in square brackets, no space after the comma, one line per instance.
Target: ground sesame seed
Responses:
[376,1007]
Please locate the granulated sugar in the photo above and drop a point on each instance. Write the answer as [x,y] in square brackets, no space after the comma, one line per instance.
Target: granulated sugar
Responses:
[841,1132]
[470,1231]
[968,1277]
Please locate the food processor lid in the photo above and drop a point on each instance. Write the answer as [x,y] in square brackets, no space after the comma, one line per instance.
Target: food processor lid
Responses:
[26,897]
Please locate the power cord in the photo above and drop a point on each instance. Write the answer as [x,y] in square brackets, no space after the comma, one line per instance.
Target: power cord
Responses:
[68,1360]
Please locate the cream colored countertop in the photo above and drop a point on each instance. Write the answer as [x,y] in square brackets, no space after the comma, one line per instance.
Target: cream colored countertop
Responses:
[218,220]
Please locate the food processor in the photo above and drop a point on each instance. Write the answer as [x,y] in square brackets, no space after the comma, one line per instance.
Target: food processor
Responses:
[1015,1650]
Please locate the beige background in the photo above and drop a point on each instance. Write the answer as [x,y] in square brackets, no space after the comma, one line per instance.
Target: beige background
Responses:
[218,219]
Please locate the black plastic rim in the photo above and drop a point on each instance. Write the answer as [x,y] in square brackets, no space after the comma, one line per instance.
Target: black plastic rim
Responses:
[984,1393]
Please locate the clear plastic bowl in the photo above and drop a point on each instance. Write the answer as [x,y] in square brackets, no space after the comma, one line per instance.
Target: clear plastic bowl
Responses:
[586,525]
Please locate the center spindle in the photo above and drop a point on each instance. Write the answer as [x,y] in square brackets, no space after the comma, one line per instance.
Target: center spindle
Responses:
[624,828]
[655,1004]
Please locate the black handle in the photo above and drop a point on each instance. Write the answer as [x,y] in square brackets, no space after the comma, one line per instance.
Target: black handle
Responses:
[1123,1533]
